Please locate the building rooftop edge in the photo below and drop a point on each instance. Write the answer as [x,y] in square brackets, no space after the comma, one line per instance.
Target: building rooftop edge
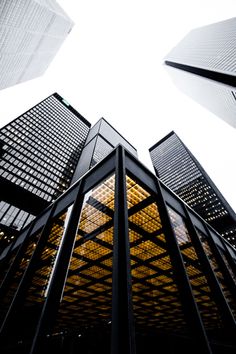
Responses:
[161,141]
[102,118]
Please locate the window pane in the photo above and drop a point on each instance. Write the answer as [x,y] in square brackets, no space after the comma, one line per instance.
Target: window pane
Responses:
[202,292]
[86,304]
[157,308]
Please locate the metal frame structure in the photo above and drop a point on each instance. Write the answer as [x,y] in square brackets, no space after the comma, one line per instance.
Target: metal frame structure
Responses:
[118,264]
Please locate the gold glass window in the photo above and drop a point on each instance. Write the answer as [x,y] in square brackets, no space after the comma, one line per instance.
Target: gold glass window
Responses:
[202,292]
[86,301]
[32,242]
[40,282]
[155,295]
[215,266]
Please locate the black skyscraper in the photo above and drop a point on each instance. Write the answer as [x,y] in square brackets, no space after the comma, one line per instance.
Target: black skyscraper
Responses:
[39,153]
[181,172]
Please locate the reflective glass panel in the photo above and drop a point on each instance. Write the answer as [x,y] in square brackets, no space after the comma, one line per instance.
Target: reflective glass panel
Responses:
[86,303]
[16,278]
[215,266]
[202,292]
[156,303]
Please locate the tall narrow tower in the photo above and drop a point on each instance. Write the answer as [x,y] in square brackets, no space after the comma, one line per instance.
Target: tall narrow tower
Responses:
[176,166]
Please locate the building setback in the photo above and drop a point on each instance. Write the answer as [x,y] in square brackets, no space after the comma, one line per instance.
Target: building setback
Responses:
[31,34]
[39,153]
[176,166]
[101,140]
[118,264]
[203,66]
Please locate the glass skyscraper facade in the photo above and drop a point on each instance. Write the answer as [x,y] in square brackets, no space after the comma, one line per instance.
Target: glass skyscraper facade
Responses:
[39,153]
[31,33]
[101,140]
[118,264]
[181,172]
[203,66]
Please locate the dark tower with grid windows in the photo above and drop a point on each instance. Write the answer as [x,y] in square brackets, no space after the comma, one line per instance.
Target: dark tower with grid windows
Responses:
[176,166]
[39,152]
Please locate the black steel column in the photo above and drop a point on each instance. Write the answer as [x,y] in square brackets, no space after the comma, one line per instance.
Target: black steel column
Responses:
[215,287]
[57,282]
[4,288]
[7,255]
[22,289]
[123,334]
[190,308]
[222,265]
[228,256]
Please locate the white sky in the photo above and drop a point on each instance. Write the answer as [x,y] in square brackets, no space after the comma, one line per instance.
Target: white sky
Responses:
[111,66]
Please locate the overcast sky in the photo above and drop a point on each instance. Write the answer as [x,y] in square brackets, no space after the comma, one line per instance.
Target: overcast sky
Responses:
[111,66]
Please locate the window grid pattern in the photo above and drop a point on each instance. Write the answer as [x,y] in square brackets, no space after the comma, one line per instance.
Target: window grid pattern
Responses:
[41,148]
[202,292]
[31,32]
[88,289]
[155,294]
[101,150]
[178,170]
[32,243]
[210,47]
[221,279]
[85,311]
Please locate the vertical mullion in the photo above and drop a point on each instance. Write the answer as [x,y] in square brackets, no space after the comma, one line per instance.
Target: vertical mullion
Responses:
[228,255]
[13,268]
[58,278]
[222,303]
[21,291]
[186,295]
[123,334]
[223,267]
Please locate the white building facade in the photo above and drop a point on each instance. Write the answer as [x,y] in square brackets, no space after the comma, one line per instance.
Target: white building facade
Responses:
[203,65]
[31,33]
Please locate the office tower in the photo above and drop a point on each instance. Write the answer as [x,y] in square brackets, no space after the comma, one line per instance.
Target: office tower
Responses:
[203,66]
[101,140]
[39,153]
[31,34]
[176,166]
[118,262]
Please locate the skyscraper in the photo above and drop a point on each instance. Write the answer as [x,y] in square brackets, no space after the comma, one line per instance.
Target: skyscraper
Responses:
[118,264]
[176,166]
[31,33]
[203,66]
[39,153]
[43,152]
[101,140]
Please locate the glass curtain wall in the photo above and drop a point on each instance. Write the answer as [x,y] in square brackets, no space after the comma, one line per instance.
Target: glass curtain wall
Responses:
[79,287]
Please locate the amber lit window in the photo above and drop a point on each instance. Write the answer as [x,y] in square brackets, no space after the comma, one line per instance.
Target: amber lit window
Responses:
[88,289]
[215,266]
[32,243]
[201,289]
[155,294]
